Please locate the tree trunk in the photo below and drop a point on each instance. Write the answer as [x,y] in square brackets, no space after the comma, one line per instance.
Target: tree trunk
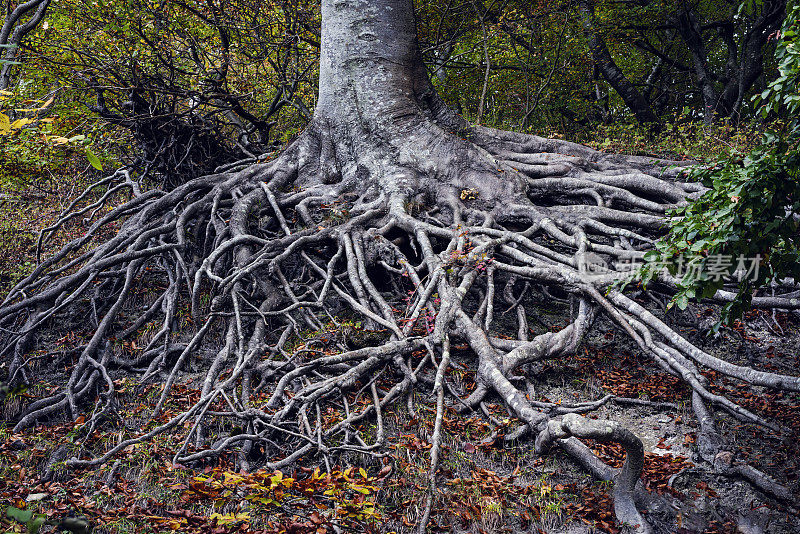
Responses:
[379,121]
[744,62]
[751,57]
[371,69]
[611,72]
[691,33]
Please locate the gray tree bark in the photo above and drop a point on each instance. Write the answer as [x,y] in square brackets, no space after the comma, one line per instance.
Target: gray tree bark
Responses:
[380,121]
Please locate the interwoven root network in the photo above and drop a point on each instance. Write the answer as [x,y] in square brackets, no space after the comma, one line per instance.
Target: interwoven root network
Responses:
[424,241]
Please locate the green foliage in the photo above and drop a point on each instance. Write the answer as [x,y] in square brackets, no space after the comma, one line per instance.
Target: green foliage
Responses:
[748,214]
[21,137]
[94,161]
[751,211]
[197,58]
[29,140]
[34,522]
[783,93]
[681,138]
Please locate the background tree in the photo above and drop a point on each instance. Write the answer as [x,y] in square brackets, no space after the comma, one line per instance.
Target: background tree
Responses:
[19,21]
[751,206]
[609,69]
[706,52]
[196,84]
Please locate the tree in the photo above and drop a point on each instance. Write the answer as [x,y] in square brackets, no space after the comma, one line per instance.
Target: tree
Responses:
[750,208]
[716,50]
[229,75]
[14,30]
[611,72]
[661,57]
[406,227]
[745,60]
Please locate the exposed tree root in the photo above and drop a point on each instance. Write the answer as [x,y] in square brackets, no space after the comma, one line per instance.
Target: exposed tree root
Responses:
[425,239]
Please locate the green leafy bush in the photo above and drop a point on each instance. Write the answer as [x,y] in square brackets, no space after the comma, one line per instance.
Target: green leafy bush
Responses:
[751,210]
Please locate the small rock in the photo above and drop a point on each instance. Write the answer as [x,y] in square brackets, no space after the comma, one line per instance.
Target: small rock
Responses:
[701,504]
[33,497]
[723,460]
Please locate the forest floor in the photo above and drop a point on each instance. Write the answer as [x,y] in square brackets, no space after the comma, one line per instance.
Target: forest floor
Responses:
[485,483]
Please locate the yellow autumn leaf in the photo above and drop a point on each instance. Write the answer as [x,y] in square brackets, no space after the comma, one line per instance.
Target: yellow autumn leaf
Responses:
[229,518]
[360,489]
[20,123]
[232,478]
[5,125]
